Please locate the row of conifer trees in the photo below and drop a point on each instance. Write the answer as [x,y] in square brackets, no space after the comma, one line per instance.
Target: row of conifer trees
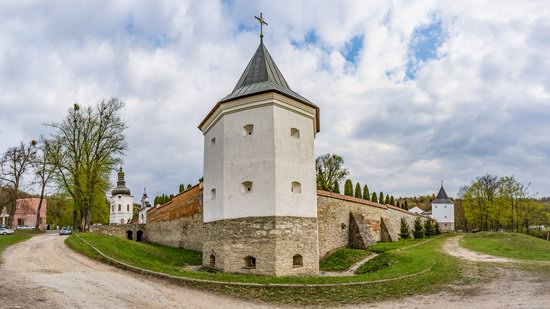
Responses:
[427,229]
[366,195]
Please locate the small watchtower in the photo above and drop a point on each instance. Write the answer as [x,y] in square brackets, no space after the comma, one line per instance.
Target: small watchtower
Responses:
[260,199]
[443,210]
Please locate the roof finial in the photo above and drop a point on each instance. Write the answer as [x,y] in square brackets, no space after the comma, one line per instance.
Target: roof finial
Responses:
[262,22]
[441,182]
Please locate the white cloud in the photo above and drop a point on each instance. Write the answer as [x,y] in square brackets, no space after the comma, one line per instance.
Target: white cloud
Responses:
[481,106]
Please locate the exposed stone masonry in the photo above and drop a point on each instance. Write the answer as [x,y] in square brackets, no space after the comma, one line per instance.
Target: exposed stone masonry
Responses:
[263,238]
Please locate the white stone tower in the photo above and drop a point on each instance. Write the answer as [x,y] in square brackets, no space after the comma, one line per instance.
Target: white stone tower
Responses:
[122,202]
[443,210]
[145,206]
[260,199]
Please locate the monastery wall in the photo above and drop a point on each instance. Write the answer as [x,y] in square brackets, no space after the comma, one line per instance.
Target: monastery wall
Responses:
[178,223]
[120,230]
[342,221]
[349,221]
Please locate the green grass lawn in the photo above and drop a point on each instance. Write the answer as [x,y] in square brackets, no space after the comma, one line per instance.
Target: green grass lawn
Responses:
[342,259]
[381,247]
[170,260]
[142,254]
[19,236]
[510,245]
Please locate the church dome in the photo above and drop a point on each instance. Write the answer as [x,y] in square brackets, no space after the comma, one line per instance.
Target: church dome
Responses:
[121,185]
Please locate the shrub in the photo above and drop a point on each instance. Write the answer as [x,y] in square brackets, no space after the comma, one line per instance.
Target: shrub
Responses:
[418,229]
[429,228]
[405,233]
[437,229]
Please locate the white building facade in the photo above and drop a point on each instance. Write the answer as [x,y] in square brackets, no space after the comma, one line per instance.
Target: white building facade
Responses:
[260,200]
[122,202]
[144,207]
[443,211]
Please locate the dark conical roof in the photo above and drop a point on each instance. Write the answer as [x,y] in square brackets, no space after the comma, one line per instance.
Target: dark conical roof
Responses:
[121,184]
[261,75]
[442,197]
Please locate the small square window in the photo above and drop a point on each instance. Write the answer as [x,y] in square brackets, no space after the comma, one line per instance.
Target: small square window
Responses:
[213,194]
[296,187]
[246,187]
[248,130]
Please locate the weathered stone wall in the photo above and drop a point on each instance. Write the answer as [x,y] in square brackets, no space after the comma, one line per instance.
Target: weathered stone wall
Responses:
[120,230]
[178,223]
[348,221]
[272,241]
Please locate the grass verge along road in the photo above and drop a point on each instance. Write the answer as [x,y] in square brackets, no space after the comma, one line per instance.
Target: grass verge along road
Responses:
[440,269]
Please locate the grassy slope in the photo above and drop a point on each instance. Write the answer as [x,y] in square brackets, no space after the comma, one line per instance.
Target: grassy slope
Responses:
[19,236]
[342,259]
[510,245]
[446,269]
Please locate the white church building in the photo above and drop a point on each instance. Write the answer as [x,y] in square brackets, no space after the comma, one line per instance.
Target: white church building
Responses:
[144,207]
[122,202]
[443,211]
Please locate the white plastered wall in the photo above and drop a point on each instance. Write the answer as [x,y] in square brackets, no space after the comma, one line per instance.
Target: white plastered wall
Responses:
[443,212]
[124,201]
[270,158]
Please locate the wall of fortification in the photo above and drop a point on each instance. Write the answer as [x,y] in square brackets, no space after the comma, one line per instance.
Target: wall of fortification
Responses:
[122,231]
[178,223]
[348,221]
[343,221]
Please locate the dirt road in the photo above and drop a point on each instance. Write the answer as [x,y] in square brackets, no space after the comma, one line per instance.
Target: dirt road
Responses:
[43,273]
[493,285]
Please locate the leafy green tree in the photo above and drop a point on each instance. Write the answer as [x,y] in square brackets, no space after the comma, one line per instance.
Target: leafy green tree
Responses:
[373,197]
[89,143]
[358,191]
[348,188]
[392,200]
[330,170]
[429,229]
[404,233]
[189,186]
[418,229]
[387,200]
[381,198]
[336,188]
[406,207]
[366,194]
[182,188]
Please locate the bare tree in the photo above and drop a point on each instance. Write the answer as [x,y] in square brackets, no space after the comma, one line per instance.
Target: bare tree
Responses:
[14,163]
[89,143]
[43,170]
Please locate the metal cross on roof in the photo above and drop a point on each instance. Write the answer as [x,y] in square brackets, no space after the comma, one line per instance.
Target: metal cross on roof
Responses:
[262,22]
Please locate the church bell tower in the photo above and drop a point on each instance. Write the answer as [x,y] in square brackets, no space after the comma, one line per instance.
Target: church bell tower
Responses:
[260,198]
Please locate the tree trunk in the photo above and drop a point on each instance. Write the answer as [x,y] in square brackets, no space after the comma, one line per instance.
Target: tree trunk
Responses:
[38,212]
[13,208]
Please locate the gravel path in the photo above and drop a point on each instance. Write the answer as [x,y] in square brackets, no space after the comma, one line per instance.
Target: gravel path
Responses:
[44,273]
[507,288]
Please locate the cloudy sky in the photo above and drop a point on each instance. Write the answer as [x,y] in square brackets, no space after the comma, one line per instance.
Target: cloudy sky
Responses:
[411,92]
